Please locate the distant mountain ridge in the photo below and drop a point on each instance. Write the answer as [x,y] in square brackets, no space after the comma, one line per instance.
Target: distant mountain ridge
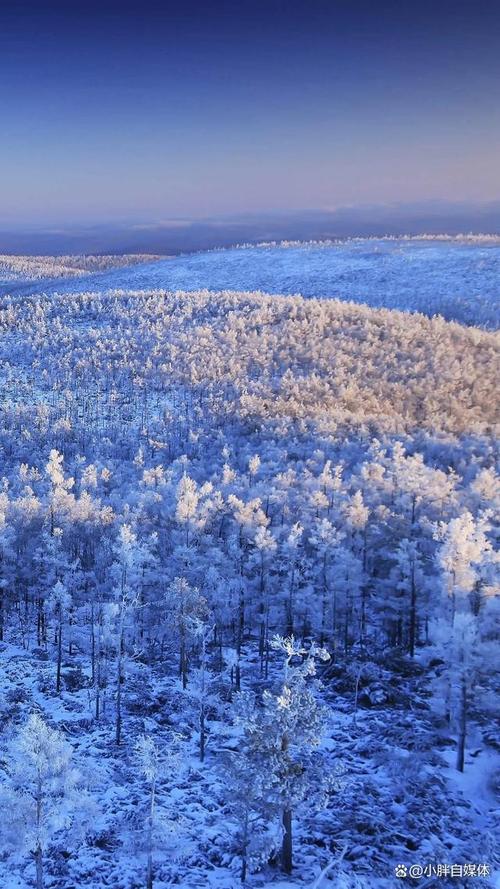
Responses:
[185,235]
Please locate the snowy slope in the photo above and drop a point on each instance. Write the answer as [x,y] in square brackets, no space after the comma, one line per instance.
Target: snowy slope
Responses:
[185,475]
[18,269]
[458,279]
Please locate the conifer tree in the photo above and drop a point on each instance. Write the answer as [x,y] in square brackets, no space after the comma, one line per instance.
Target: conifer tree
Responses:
[43,795]
[280,734]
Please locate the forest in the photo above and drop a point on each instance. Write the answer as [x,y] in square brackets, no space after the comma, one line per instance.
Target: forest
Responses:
[249,601]
[35,268]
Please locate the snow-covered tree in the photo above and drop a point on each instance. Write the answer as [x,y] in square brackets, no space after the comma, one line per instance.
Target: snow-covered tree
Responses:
[127,573]
[281,733]
[43,795]
[184,606]
[59,603]
[464,555]
[155,765]
[202,681]
[147,755]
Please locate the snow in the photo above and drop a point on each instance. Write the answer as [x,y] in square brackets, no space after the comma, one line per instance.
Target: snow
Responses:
[475,782]
[458,279]
[16,269]
[202,470]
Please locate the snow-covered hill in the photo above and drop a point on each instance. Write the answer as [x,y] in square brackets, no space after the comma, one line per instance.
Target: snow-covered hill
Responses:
[459,280]
[20,269]
[206,498]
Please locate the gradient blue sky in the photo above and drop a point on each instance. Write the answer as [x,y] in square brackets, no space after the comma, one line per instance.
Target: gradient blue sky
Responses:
[154,111]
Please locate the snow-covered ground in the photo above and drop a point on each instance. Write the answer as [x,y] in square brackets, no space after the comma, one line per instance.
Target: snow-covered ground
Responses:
[458,279]
[397,802]
[185,475]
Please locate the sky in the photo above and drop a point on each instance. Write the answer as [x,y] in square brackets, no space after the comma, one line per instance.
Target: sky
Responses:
[162,112]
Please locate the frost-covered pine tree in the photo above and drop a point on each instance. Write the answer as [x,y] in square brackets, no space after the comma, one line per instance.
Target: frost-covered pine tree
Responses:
[126,570]
[147,755]
[42,795]
[291,558]
[280,734]
[464,558]
[155,764]
[59,604]
[60,486]
[244,779]
[185,606]
[464,552]
[6,558]
[200,688]
[187,505]
[408,585]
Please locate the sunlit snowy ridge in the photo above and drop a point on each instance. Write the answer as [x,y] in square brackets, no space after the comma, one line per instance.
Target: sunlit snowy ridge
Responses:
[326,361]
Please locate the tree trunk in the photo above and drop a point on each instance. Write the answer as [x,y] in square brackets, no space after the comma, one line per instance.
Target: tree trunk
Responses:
[334,621]
[38,850]
[346,627]
[149,876]
[59,657]
[183,656]
[413,611]
[262,640]
[39,867]
[97,677]
[239,641]
[289,607]
[244,849]
[262,616]
[98,695]
[462,729]
[118,734]
[92,640]
[356,694]
[364,592]
[202,733]
[286,846]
